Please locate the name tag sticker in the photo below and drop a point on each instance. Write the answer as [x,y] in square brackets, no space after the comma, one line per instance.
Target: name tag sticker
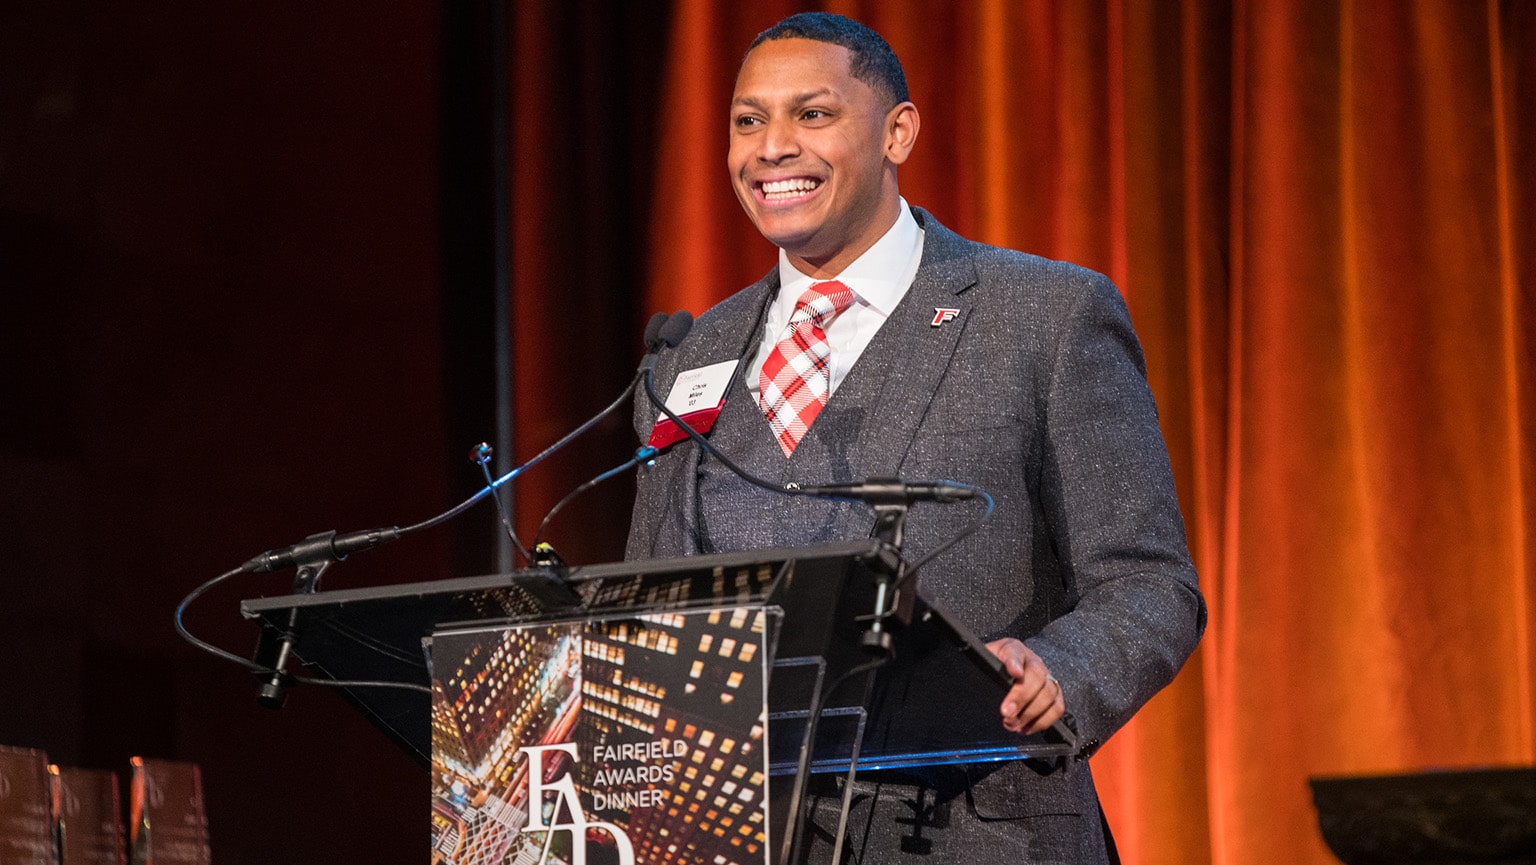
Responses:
[696,397]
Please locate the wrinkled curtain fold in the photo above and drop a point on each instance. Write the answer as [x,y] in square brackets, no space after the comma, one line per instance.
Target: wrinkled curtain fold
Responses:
[1321,217]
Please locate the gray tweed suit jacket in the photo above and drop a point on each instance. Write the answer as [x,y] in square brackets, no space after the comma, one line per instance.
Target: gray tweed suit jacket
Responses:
[1036,392]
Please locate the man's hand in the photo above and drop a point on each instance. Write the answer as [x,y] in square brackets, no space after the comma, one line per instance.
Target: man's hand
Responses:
[1035,701]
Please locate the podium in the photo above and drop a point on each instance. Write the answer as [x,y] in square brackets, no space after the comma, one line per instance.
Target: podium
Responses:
[659,711]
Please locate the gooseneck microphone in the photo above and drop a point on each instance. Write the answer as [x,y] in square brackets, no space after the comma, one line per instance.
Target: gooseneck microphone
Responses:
[327,546]
[669,332]
[661,332]
[892,490]
[665,331]
[311,556]
[875,491]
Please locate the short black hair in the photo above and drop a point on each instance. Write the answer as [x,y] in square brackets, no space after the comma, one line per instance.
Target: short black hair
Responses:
[873,62]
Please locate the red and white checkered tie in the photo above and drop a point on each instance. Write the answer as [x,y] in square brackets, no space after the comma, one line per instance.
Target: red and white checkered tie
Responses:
[795,380]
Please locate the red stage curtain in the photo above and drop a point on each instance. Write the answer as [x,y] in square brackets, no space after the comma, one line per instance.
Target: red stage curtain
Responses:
[1321,215]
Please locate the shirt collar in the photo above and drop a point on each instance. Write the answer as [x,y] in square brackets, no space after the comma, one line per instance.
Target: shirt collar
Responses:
[879,278]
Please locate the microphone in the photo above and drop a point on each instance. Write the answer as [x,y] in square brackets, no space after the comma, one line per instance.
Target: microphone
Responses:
[881,491]
[324,547]
[661,332]
[674,329]
[652,331]
[875,491]
[315,553]
[664,331]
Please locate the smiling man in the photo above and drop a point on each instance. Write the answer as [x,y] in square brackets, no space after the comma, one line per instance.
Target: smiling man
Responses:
[884,344]
[814,151]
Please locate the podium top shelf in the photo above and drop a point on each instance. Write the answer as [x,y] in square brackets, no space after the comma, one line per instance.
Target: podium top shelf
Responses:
[377,633]
[538,594]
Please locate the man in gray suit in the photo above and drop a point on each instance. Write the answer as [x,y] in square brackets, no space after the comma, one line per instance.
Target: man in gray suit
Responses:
[933,357]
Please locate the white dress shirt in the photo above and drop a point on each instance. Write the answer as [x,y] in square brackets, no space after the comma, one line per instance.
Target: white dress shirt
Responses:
[879,279]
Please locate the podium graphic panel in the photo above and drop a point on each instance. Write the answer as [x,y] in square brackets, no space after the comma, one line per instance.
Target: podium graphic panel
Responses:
[639,738]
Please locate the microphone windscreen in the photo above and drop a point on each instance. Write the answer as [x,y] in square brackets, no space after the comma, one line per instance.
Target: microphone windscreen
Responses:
[653,331]
[676,327]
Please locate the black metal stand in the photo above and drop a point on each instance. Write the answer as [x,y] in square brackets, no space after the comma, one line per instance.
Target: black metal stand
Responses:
[273,690]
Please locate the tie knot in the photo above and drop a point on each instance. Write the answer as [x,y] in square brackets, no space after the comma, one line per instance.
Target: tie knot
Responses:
[822,302]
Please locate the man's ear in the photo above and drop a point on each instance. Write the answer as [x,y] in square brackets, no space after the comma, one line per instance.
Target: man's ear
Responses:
[901,125]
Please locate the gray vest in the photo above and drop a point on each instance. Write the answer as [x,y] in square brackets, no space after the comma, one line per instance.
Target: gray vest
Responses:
[732,514]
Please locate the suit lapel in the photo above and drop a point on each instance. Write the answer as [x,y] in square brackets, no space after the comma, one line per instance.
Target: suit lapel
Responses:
[916,353]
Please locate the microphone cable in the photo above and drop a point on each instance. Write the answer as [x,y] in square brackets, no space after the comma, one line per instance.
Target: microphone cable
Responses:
[644,454]
[262,669]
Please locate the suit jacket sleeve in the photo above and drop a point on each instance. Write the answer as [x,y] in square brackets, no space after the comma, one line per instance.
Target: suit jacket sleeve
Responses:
[1111,512]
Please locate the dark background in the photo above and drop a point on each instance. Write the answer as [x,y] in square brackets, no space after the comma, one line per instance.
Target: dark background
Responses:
[248,272]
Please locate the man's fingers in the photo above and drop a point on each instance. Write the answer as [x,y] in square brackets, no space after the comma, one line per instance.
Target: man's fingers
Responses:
[1014,655]
[1034,712]
[1035,701]
[1044,709]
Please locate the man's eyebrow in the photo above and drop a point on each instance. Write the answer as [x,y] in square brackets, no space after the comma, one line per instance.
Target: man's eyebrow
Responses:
[799,99]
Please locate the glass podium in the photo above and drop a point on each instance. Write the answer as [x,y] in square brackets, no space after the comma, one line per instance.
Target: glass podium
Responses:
[653,711]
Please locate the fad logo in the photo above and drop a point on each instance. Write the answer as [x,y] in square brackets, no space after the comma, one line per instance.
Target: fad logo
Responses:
[565,801]
[942,314]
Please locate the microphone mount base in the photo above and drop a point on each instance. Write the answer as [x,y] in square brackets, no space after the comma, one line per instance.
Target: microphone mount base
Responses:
[890,573]
[273,690]
[272,693]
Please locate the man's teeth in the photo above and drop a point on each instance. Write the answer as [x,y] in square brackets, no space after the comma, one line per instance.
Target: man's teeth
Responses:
[786,188]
